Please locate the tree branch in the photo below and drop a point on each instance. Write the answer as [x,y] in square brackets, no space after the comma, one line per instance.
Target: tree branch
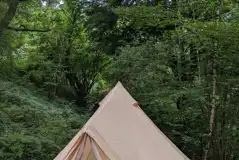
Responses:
[28,29]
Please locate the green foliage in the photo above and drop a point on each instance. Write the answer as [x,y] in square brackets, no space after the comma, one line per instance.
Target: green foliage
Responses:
[100,25]
[31,126]
[145,18]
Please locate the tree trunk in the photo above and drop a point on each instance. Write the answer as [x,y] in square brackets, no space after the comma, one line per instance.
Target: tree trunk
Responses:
[12,9]
[213,110]
[223,145]
[81,100]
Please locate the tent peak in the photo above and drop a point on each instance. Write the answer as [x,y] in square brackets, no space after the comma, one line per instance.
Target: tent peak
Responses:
[119,83]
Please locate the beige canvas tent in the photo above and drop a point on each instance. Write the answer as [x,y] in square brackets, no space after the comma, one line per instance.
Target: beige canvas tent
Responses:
[120,130]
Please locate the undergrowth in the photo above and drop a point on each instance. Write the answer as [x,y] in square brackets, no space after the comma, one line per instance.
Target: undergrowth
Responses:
[33,127]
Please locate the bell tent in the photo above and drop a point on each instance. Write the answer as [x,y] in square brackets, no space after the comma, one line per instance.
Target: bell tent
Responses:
[120,130]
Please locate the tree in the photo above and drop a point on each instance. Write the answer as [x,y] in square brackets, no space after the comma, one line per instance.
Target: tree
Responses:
[65,63]
[9,15]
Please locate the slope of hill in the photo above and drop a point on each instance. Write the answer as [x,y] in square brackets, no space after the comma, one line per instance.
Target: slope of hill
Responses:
[33,127]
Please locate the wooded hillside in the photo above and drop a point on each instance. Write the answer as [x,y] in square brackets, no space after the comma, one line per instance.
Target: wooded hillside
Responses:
[178,58]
